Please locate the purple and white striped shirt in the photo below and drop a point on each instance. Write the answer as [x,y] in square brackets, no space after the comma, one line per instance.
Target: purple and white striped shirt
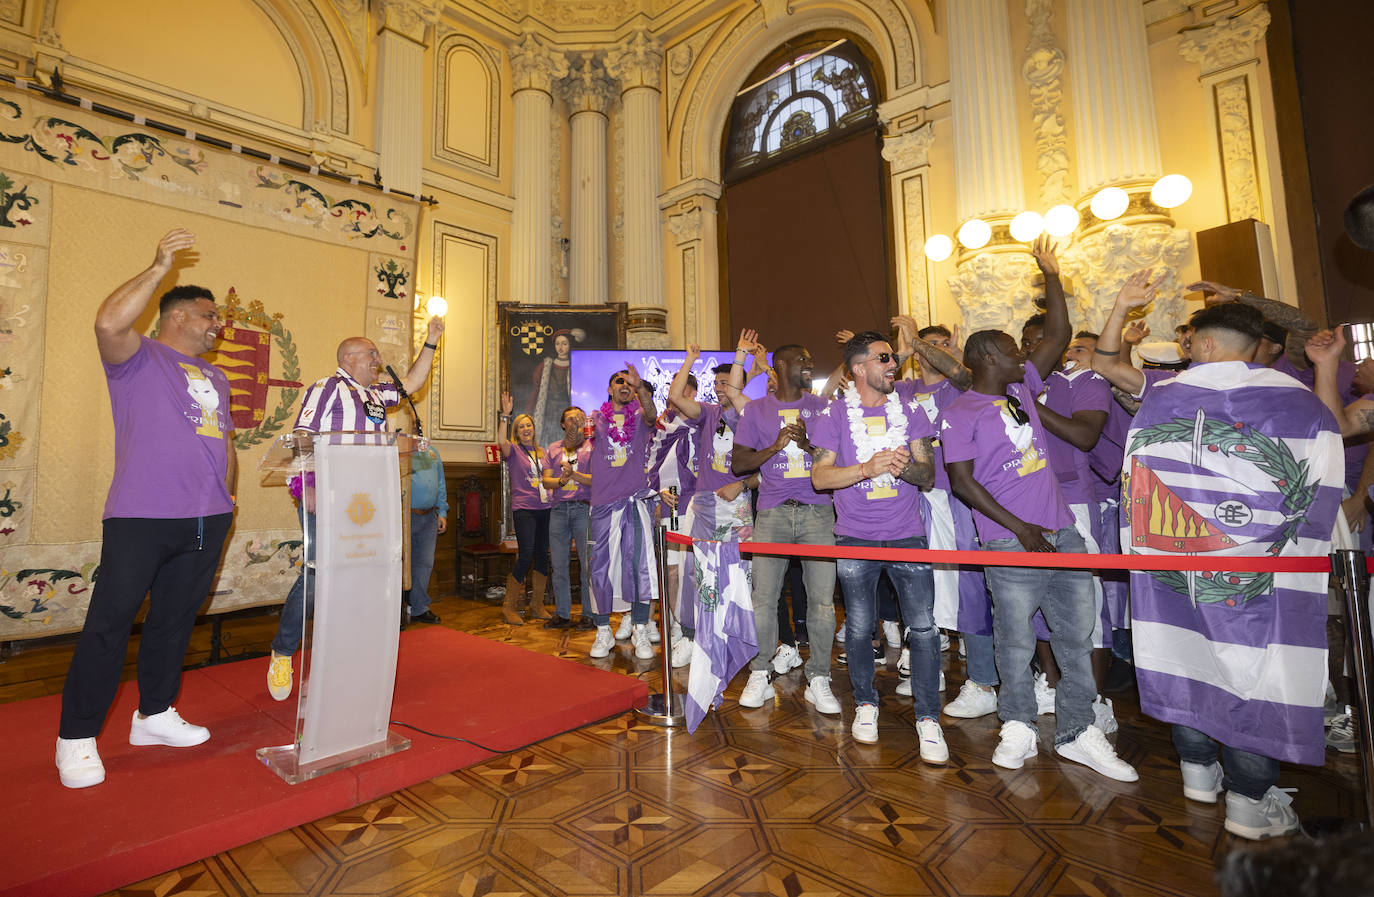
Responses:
[341,403]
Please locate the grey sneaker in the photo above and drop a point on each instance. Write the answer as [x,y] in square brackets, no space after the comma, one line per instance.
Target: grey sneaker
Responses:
[1201,781]
[1269,817]
[1341,735]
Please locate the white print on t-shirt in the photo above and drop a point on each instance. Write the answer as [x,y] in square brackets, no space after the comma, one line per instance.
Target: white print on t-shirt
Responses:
[204,394]
[721,444]
[796,458]
[619,453]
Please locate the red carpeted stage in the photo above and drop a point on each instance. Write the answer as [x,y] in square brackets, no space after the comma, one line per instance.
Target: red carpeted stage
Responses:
[160,808]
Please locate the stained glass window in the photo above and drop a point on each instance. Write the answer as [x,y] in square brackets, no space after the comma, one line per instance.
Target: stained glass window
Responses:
[815,94]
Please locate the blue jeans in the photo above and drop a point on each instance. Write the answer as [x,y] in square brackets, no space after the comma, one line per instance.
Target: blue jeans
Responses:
[980,658]
[531,542]
[1245,773]
[802,525]
[424,530]
[291,623]
[915,587]
[568,522]
[1066,598]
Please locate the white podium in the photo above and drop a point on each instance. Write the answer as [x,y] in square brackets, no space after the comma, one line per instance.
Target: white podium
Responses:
[346,673]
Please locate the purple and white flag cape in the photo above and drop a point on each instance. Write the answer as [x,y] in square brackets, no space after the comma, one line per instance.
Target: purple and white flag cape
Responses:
[1226,459]
[725,639]
[623,565]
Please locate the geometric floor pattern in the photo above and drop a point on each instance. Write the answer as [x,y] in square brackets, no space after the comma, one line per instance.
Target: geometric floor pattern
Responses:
[773,802]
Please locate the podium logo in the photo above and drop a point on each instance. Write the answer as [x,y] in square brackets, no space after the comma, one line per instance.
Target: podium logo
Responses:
[361,508]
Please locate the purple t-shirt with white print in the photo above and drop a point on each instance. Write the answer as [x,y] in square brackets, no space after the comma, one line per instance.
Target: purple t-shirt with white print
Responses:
[618,464]
[715,444]
[786,475]
[932,400]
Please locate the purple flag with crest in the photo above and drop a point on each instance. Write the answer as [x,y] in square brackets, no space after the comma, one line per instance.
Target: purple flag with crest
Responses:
[1232,459]
[725,639]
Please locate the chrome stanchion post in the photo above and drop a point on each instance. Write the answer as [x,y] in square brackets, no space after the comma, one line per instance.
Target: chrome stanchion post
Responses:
[1349,569]
[665,708]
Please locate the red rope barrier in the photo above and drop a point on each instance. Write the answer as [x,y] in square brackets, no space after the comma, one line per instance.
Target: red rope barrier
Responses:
[1079,561]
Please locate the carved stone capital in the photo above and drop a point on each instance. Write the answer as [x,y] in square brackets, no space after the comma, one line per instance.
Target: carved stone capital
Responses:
[1226,42]
[535,65]
[686,227]
[995,290]
[410,18]
[587,89]
[638,62]
[1099,263]
[911,149]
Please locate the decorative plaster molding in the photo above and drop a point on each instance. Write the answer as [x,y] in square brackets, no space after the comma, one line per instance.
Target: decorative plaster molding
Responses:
[1237,137]
[617,208]
[774,10]
[1043,70]
[1099,264]
[911,149]
[995,290]
[587,89]
[449,43]
[535,65]
[1226,42]
[353,15]
[637,62]
[914,234]
[690,297]
[409,18]
[686,227]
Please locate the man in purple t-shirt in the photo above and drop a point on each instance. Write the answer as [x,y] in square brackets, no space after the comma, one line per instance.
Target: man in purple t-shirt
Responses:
[772,439]
[875,454]
[166,517]
[996,455]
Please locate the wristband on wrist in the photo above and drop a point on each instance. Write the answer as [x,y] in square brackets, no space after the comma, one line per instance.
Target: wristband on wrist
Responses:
[434,346]
[1098,351]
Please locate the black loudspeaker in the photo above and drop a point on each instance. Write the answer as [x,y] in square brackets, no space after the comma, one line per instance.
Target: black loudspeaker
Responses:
[1239,254]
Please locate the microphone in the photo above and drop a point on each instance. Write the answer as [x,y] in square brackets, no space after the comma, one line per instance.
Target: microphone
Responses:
[399,385]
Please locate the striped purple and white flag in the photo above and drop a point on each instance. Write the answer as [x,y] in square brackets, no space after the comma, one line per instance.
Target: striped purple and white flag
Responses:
[1232,459]
[725,639]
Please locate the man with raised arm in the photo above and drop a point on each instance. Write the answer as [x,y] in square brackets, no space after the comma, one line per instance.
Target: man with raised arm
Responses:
[622,528]
[996,453]
[874,454]
[1228,458]
[772,439]
[351,399]
[168,511]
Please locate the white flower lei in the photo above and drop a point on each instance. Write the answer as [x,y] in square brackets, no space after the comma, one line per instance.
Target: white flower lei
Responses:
[865,445]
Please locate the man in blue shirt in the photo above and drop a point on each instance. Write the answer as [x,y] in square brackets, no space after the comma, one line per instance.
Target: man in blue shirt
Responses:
[428,518]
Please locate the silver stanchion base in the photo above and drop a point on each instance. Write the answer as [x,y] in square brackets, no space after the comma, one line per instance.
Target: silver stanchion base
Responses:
[655,713]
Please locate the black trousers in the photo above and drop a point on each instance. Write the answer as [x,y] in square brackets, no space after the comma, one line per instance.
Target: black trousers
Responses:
[173,561]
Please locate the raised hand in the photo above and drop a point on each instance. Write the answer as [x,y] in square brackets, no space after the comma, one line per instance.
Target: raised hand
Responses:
[1135,331]
[1216,292]
[1325,346]
[748,340]
[693,353]
[174,241]
[906,326]
[632,376]
[434,328]
[843,336]
[1043,251]
[1137,291]
[507,403]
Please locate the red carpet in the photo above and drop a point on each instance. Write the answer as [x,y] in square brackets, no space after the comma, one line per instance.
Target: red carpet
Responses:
[161,808]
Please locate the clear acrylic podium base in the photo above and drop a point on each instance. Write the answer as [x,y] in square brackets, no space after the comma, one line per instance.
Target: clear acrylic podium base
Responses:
[285,762]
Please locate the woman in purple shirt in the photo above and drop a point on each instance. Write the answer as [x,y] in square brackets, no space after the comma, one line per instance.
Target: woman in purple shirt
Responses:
[530,503]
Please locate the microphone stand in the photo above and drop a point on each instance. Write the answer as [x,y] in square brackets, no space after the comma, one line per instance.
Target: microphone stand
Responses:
[419,427]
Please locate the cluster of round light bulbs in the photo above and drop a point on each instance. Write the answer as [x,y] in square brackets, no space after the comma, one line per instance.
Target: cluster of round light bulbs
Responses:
[1107,204]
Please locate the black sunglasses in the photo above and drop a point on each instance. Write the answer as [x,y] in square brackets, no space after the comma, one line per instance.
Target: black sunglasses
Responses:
[619,381]
[1018,414]
[881,357]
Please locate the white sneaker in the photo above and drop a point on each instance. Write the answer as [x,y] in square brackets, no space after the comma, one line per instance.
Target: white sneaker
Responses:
[944,640]
[757,690]
[682,652]
[279,677]
[933,747]
[1044,695]
[166,728]
[1019,743]
[819,694]
[839,632]
[78,763]
[1201,781]
[786,659]
[904,663]
[655,637]
[1105,718]
[626,626]
[973,701]
[904,686]
[1340,736]
[603,643]
[1270,816]
[892,631]
[639,640]
[865,726]
[942,682]
[1093,750]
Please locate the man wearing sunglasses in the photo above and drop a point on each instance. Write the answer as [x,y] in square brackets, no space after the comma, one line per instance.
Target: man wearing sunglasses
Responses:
[996,454]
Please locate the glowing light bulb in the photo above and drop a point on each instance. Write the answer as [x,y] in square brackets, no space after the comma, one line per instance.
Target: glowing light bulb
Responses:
[1109,203]
[437,305]
[939,247]
[975,233]
[1027,226]
[1171,191]
[1061,220]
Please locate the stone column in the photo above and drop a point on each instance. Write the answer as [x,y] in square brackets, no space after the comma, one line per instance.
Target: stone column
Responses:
[908,157]
[692,219]
[588,92]
[993,285]
[534,67]
[1118,146]
[637,65]
[400,91]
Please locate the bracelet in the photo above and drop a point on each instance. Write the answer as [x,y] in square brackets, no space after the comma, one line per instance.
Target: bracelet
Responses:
[1098,351]
[504,417]
[434,346]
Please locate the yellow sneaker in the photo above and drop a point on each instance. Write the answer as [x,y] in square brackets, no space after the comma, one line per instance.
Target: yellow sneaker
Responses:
[279,677]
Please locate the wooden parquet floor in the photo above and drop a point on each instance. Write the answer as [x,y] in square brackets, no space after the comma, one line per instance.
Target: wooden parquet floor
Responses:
[773,802]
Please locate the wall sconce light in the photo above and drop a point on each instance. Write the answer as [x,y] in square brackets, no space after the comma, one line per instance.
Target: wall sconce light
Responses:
[1027,226]
[1109,203]
[939,247]
[975,233]
[437,306]
[1171,191]
[1061,220]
